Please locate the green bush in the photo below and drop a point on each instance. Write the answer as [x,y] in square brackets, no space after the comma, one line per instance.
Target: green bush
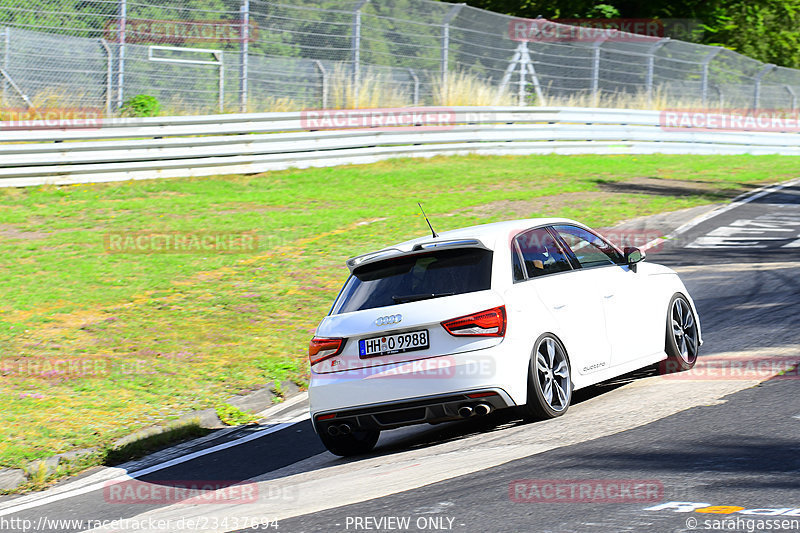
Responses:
[141,105]
[233,416]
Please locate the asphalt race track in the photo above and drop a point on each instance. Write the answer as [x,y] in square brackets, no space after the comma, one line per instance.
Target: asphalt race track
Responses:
[723,440]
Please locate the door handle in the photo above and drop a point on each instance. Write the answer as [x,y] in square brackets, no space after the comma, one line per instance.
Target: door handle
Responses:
[559,306]
[607,296]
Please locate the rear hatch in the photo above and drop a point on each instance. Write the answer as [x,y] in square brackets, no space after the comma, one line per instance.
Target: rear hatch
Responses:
[404,308]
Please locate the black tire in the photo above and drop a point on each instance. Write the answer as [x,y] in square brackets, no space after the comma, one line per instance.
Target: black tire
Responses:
[359,442]
[682,339]
[548,353]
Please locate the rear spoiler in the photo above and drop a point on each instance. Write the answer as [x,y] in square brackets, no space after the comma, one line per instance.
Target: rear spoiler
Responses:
[392,253]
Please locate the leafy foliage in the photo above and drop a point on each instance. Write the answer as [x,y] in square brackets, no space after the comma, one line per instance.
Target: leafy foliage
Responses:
[765,29]
[142,105]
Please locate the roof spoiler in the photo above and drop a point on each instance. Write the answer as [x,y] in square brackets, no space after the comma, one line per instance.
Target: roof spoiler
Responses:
[390,253]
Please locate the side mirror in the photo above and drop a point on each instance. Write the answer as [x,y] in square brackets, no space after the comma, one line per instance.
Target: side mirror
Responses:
[633,256]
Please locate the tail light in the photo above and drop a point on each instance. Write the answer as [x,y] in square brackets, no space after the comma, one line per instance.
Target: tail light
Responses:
[321,348]
[489,323]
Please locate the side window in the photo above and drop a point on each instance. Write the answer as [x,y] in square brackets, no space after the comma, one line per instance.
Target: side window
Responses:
[589,249]
[541,253]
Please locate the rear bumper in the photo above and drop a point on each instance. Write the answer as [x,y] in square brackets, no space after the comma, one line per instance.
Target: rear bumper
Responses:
[390,415]
[434,379]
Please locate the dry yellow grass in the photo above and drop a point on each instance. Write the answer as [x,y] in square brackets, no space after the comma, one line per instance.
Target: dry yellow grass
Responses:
[373,90]
[465,89]
[659,99]
[272,104]
[51,103]
[58,97]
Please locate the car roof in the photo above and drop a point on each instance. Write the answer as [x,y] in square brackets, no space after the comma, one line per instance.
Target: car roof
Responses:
[491,236]
[488,234]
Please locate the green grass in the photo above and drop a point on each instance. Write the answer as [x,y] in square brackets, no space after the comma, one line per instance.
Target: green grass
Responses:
[231,415]
[168,333]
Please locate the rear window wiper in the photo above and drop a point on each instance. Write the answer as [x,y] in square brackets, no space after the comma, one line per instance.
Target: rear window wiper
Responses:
[417,297]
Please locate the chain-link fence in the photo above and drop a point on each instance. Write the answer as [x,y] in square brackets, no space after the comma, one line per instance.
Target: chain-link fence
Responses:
[208,55]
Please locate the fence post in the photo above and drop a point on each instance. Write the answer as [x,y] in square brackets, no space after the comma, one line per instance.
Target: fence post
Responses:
[220,57]
[766,69]
[446,42]
[356,46]
[416,85]
[109,74]
[243,62]
[720,96]
[792,95]
[123,19]
[651,64]
[324,74]
[6,57]
[704,83]
[596,67]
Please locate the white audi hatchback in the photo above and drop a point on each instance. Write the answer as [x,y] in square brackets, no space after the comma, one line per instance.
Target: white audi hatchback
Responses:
[512,314]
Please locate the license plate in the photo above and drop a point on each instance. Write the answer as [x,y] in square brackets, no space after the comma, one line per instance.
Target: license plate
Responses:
[391,344]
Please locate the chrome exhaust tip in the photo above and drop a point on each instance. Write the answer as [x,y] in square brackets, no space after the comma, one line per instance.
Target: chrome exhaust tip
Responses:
[483,409]
[465,411]
[333,430]
[345,429]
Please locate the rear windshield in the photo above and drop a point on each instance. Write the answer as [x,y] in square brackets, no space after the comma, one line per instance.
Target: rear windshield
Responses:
[417,277]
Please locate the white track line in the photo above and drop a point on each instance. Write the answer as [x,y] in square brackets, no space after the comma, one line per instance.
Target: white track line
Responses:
[155,468]
[738,201]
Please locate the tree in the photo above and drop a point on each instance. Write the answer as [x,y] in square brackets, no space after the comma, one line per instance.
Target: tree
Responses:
[763,29]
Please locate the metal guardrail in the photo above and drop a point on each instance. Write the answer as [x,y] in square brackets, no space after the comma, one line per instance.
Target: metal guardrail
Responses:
[165,147]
